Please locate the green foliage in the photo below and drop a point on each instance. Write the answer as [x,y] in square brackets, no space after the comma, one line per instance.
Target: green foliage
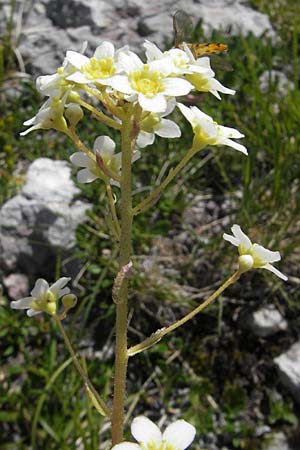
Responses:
[281,411]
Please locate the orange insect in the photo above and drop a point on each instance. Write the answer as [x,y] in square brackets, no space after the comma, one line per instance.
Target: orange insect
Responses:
[183,28]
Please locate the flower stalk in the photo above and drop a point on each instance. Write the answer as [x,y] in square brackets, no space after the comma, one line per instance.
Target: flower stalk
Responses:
[156,193]
[91,390]
[159,334]
[121,357]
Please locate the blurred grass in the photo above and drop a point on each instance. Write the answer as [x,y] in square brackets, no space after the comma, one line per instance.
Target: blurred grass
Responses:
[42,403]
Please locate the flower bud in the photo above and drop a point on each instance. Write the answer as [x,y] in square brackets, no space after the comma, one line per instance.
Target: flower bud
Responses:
[69,301]
[74,114]
[245,263]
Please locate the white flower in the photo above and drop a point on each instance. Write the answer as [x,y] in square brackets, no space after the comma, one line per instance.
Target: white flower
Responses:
[154,124]
[101,68]
[105,146]
[208,132]
[148,84]
[177,436]
[43,298]
[50,115]
[56,85]
[197,71]
[204,80]
[253,255]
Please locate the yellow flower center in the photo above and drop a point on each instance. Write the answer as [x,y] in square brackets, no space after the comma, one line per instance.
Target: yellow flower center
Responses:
[201,137]
[153,445]
[199,81]
[48,303]
[99,68]
[146,82]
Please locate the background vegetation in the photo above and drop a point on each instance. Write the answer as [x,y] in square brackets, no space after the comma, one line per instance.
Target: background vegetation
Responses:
[213,371]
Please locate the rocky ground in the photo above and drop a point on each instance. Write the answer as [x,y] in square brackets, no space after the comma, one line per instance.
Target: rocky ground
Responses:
[46,29]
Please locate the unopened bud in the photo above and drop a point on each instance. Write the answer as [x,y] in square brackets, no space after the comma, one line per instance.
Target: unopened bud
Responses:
[69,301]
[74,114]
[245,263]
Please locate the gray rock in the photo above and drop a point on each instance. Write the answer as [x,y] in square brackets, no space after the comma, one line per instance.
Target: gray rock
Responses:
[50,27]
[265,321]
[41,221]
[17,285]
[276,441]
[272,77]
[288,367]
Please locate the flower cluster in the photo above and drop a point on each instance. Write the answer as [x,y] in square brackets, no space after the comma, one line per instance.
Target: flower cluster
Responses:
[118,78]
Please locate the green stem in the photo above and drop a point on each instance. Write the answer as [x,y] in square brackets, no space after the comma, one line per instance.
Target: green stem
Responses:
[155,194]
[155,337]
[121,358]
[100,115]
[112,208]
[87,383]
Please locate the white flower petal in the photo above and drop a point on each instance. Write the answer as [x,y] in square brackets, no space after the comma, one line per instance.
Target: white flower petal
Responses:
[144,430]
[216,94]
[59,284]
[32,312]
[275,271]
[156,104]
[23,303]
[152,51]
[187,112]
[80,159]
[78,77]
[239,147]
[145,139]
[265,255]
[104,50]
[168,129]
[176,86]
[121,83]
[243,239]
[129,62]
[40,288]
[62,292]
[126,446]
[77,59]
[216,85]
[105,143]
[86,176]
[230,133]
[204,62]
[231,239]
[136,155]
[179,434]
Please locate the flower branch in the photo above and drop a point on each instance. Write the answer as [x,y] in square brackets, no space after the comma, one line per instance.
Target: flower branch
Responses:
[159,334]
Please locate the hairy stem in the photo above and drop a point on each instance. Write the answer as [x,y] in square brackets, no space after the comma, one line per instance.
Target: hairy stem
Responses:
[121,357]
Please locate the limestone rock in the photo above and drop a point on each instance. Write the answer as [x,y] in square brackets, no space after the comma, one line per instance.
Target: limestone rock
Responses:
[17,285]
[41,221]
[50,27]
[288,367]
[266,321]
[276,441]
